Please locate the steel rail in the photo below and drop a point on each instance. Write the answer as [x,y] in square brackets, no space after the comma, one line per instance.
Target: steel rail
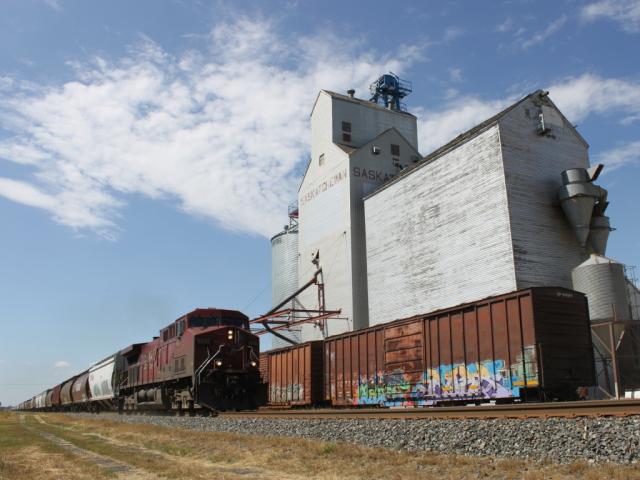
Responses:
[594,408]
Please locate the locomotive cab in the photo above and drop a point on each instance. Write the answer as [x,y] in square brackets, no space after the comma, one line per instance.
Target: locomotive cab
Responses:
[204,360]
[226,356]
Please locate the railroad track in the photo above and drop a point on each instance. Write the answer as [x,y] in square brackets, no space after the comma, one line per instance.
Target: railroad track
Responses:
[595,408]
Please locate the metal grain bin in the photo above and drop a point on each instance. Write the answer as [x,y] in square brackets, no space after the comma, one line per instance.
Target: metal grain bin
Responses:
[603,281]
[295,375]
[284,276]
[354,368]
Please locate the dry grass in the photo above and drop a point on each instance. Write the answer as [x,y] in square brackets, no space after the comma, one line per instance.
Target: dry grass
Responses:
[24,455]
[187,454]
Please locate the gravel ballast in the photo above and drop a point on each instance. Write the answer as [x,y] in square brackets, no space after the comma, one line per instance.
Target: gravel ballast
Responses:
[557,440]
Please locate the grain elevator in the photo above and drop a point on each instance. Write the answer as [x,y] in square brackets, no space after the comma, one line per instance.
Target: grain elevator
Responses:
[508,205]
[357,146]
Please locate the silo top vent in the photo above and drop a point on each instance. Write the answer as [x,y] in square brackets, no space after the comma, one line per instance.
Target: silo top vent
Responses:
[389,90]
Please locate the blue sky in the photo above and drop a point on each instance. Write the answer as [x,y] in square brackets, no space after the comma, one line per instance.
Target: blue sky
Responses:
[149,149]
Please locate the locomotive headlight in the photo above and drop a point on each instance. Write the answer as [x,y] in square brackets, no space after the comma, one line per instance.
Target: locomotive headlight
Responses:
[230,334]
[253,364]
[218,363]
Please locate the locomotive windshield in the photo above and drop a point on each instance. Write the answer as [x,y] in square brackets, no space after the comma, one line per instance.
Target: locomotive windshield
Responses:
[216,321]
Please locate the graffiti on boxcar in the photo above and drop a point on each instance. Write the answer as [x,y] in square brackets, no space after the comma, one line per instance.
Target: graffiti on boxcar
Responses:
[287,393]
[487,379]
[370,391]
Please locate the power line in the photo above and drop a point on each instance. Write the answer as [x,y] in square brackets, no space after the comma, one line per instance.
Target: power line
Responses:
[256,297]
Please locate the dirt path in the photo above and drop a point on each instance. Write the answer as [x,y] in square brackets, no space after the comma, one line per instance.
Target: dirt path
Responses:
[121,470]
[126,471]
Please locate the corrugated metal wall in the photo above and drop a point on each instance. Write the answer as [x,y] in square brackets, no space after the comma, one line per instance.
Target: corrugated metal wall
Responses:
[284,276]
[604,283]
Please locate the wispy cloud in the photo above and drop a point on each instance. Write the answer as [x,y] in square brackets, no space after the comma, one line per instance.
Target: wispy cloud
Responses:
[61,364]
[219,132]
[625,12]
[588,94]
[540,37]
[626,154]
[452,33]
[55,4]
[455,74]
[577,97]
[506,26]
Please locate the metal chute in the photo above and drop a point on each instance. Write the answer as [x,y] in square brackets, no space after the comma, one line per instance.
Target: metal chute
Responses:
[584,204]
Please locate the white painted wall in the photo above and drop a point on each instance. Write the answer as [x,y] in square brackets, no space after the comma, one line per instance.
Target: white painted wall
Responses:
[330,202]
[544,245]
[440,235]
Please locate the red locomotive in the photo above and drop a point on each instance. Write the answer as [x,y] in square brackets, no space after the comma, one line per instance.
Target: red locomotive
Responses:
[206,360]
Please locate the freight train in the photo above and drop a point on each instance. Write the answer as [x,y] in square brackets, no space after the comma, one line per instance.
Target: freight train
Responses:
[206,360]
[529,345]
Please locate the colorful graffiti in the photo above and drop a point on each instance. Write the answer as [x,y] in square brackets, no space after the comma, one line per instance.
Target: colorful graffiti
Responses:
[489,379]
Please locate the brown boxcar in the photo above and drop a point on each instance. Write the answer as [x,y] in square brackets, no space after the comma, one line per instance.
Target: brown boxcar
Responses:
[529,344]
[264,367]
[354,367]
[295,375]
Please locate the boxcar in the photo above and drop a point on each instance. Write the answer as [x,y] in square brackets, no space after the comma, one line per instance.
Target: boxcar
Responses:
[530,344]
[295,375]
[354,367]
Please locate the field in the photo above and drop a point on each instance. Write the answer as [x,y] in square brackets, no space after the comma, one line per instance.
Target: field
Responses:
[55,446]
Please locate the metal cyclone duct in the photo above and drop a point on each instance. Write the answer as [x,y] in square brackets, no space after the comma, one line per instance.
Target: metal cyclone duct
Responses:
[578,197]
[599,234]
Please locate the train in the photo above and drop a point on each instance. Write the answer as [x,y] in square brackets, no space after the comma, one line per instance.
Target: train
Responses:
[529,345]
[205,361]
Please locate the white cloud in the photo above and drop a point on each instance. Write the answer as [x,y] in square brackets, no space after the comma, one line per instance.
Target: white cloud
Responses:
[577,97]
[620,156]
[61,364]
[55,4]
[455,74]
[452,33]
[540,37]
[625,12]
[435,128]
[506,26]
[220,132]
[588,94]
